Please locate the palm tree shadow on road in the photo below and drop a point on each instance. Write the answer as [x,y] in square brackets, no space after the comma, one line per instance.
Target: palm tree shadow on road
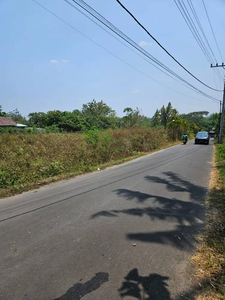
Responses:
[187,215]
[152,287]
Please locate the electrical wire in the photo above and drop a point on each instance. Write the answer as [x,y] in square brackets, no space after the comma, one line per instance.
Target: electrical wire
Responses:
[110,26]
[183,83]
[200,26]
[71,26]
[194,12]
[189,21]
[163,47]
[218,72]
[187,17]
[212,29]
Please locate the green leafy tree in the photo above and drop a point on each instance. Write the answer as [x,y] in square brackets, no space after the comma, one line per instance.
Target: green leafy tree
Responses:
[98,115]
[214,122]
[38,119]
[164,115]
[54,117]
[132,118]
[177,127]
[197,117]
[2,113]
[145,121]
[156,119]
[194,128]
[167,113]
[71,121]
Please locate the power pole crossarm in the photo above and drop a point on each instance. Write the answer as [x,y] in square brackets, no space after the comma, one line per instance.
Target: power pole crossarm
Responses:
[216,66]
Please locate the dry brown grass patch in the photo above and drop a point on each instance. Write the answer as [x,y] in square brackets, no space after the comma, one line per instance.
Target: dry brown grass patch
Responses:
[210,255]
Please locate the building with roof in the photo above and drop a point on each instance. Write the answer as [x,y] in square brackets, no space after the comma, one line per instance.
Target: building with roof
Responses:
[6,122]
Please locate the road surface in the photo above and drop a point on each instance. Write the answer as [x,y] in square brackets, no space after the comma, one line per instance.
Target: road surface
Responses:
[124,232]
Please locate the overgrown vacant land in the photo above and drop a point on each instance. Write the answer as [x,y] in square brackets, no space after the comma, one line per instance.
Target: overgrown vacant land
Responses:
[210,255]
[27,160]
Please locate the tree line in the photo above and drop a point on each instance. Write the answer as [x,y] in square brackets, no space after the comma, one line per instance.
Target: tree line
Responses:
[98,115]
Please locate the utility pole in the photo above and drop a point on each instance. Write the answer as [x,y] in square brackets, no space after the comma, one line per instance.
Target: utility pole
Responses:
[222,118]
[223,105]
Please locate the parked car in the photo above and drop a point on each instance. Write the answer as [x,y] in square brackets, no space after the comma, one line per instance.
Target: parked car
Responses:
[202,137]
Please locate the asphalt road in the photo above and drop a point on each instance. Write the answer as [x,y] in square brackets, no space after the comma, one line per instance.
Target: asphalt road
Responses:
[126,231]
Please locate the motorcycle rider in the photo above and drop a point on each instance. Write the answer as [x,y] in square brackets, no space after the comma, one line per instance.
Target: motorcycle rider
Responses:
[185,137]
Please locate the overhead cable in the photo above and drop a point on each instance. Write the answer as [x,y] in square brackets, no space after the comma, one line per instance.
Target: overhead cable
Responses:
[163,47]
[113,28]
[194,30]
[72,27]
[212,30]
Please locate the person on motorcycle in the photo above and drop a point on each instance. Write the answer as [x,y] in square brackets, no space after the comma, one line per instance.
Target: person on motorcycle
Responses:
[185,137]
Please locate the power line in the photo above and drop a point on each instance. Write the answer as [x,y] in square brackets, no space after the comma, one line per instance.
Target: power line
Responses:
[185,13]
[212,29]
[164,48]
[139,49]
[189,21]
[113,28]
[200,26]
[71,26]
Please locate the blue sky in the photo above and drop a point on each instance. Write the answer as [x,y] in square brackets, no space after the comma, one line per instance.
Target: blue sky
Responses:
[46,65]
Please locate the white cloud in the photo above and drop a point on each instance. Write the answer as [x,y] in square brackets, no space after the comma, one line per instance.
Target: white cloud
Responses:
[53,61]
[136,91]
[143,44]
[65,61]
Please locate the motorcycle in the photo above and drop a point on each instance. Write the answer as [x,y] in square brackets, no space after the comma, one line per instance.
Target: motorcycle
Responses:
[184,141]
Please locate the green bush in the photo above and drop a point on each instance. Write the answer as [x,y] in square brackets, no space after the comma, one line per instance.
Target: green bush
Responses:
[221,150]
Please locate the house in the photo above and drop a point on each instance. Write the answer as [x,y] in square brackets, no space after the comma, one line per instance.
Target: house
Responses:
[6,122]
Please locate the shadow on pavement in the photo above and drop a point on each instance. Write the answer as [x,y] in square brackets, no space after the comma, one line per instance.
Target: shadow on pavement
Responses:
[79,290]
[176,184]
[152,287]
[187,215]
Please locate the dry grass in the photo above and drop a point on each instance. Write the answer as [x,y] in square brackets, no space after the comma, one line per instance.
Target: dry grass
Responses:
[210,256]
[28,161]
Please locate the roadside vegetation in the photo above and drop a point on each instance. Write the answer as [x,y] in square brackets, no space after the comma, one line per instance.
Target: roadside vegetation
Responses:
[210,256]
[61,144]
[28,159]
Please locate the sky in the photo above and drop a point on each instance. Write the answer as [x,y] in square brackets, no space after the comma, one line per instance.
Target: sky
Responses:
[47,65]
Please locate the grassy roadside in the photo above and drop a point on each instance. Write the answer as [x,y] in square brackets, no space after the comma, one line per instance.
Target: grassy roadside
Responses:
[30,161]
[210,256]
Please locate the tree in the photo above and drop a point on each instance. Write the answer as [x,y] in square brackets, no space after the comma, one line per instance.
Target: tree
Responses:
[98,115]
[132,118]
[156,119]
[164,115]
[177,127]
[71,121]
[38,119]
[2,113]
[167,113]
[197,117]
[213,122]
[17,117]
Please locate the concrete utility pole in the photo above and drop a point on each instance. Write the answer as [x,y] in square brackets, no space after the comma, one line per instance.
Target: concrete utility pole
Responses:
[223,106]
